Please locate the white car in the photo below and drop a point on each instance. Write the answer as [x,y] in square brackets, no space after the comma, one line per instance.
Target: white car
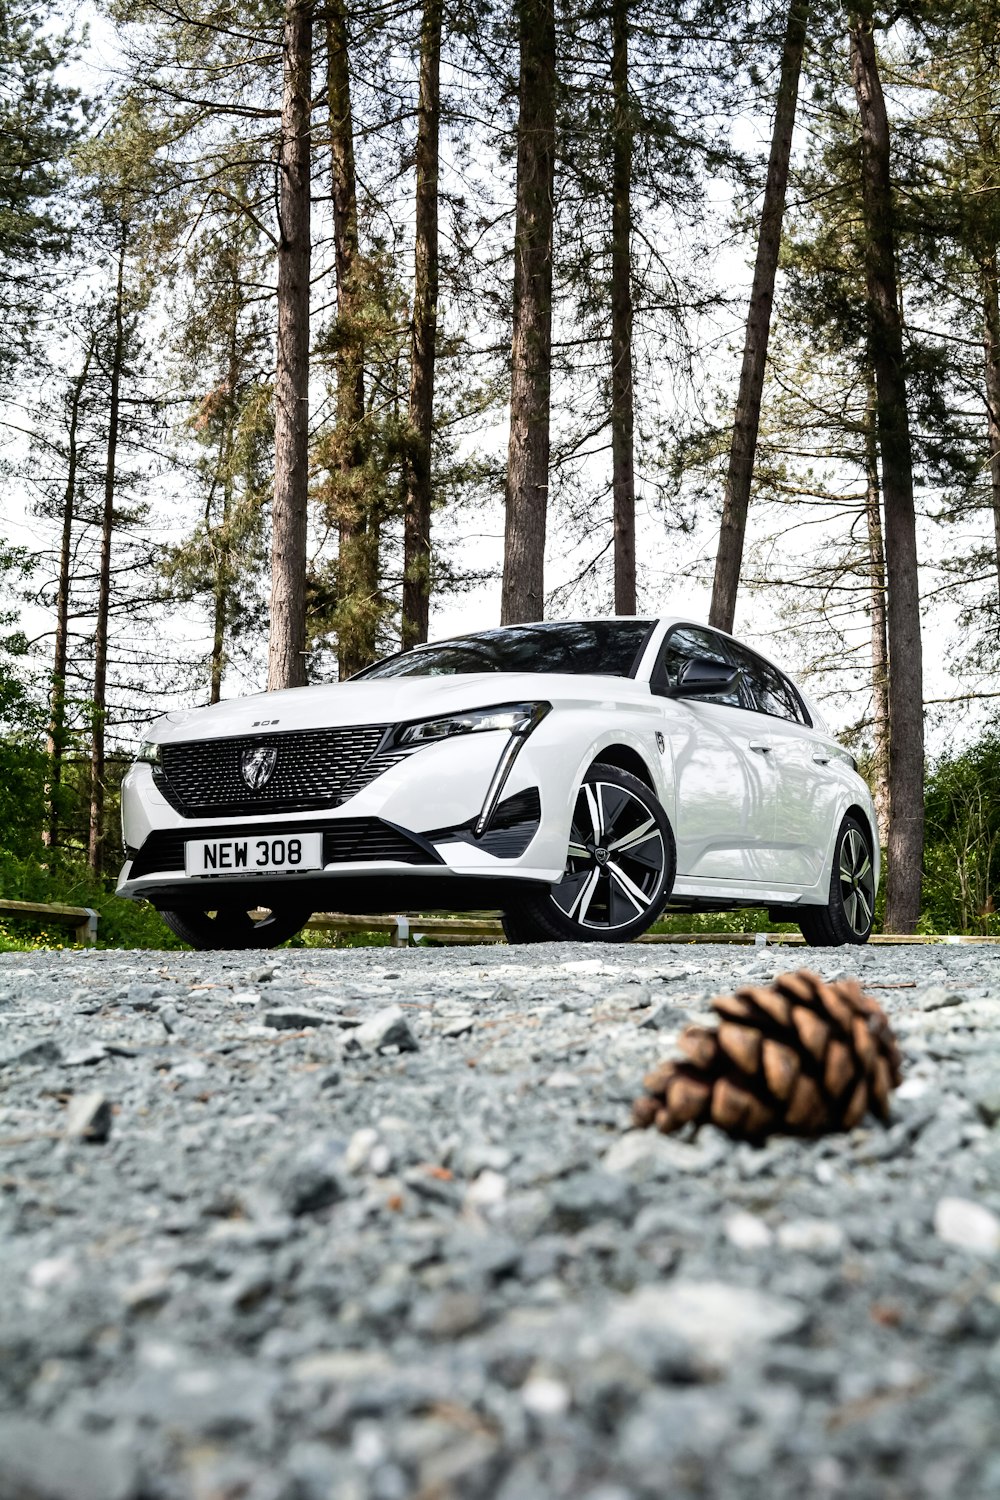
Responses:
[580,776]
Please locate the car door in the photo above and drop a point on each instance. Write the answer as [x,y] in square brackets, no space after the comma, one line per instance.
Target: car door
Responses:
[808,786]
[725,792]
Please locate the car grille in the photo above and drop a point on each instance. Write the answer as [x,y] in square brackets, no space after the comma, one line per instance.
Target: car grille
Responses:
[313,768]
[348,839]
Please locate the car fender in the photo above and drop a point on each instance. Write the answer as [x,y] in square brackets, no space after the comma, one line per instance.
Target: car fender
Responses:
[854,793]
[641,743]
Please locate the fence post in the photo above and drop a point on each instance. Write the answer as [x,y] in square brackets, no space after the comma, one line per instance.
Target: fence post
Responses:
[86,933]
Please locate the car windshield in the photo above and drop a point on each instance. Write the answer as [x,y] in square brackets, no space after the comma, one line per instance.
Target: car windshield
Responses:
[608,648]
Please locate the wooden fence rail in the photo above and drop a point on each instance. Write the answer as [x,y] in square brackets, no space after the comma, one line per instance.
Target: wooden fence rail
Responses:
[405,929]
[82,919]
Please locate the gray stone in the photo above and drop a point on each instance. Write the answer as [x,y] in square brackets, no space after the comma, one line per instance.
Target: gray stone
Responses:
[386,1028]
[967,1225]
[45,1050]
[309,1181]
[41,1462]
[938,999]
[86,1056]
[821,1238]
[987,1103]
[717,1320]
[291,1018]
[587,1196]
[88,1118]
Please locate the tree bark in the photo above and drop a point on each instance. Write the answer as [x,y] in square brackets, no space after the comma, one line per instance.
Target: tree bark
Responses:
[423,338]
[523,593]
[287,661]
[95,839]
[56,739]
[876,595]
[991,345]
[906,717]
[736,501]
[622,399]
[357,525]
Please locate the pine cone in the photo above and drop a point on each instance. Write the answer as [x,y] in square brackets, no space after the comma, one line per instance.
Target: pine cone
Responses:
[799,1057]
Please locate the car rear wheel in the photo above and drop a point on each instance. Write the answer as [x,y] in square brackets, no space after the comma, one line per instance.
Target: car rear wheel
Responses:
[619,869]
[850,911]
[235,926]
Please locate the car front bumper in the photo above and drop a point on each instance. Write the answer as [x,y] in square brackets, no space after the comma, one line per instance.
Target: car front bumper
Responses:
[412,826]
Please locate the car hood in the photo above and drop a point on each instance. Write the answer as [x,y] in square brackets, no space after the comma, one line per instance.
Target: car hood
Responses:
[390,700]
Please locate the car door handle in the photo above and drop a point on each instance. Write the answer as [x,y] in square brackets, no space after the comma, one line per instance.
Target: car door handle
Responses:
[822,760]
[763,747]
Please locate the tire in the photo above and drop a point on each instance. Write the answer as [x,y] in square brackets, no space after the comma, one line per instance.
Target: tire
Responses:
[235,927]
[603,899]
[849,913]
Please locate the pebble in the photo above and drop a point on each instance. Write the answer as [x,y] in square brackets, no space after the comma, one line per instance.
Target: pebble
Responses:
[967,1225]
[386,1028]
[288,1018]
[818,1237]
[41,1462]
[747,1232]
[88,1118]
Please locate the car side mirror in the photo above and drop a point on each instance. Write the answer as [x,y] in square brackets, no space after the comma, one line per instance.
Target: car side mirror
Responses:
[700,676]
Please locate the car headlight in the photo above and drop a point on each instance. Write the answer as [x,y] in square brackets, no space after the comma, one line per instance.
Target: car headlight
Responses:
[515,718]
[149,753]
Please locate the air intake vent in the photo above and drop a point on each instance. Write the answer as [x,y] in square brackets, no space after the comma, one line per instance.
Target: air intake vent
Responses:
[345,841]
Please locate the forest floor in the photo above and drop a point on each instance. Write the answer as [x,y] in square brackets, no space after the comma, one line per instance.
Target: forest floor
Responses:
[370,1225]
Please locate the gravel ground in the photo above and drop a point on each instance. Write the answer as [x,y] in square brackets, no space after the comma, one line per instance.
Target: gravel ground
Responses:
[369,1225]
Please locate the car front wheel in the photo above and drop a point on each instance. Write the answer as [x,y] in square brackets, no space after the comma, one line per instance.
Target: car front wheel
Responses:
[234,926]
[850,910]
[619,870]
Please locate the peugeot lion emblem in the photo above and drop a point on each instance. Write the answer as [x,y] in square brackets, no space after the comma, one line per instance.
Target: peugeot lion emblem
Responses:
[258,766]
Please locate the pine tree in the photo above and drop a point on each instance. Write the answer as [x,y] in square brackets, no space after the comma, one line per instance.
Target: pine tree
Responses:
[905,696]
[736,500]
[289,514]
[523,595]
[41,118]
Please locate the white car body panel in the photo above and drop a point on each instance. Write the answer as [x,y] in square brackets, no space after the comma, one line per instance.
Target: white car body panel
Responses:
[751,825]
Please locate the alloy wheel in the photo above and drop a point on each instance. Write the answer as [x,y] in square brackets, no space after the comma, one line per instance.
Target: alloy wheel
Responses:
[857,882]
[616,861]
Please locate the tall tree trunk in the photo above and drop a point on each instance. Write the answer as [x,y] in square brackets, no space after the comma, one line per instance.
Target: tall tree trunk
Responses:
[622,404]
[357,525]
[991,344]
[876,605]
[906,714]
[218,657]
[56,739]
[523,594]
[287,662]
[423,338]
[95,839]
[736,501]
[219,537]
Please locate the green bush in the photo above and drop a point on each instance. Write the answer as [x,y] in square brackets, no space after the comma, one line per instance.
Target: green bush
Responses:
[962,842]
[54,876]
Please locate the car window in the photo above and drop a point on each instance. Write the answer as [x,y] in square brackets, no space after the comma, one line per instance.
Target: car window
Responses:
[687,641]
[770,692]
[609,648]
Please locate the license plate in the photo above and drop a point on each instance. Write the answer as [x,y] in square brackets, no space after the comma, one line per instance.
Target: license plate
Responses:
[254,856]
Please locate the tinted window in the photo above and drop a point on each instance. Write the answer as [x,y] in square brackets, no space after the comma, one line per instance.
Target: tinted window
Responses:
[770,692]
[687,641]
[604,647]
